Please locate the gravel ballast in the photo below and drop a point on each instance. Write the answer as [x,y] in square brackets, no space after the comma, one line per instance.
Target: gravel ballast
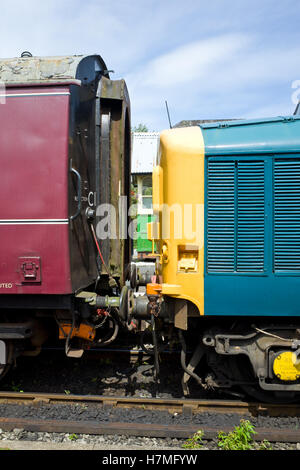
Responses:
[93,374]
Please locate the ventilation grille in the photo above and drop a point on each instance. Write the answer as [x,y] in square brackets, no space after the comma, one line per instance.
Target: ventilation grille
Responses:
[287,215]
[250,216]
[221,216]
[235,216]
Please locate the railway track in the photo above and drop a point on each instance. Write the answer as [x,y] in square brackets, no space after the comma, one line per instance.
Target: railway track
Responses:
[187,407]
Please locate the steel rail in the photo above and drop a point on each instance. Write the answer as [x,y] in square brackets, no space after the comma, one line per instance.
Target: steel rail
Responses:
[185,405]
[139,429]
[188,407]
[171,404]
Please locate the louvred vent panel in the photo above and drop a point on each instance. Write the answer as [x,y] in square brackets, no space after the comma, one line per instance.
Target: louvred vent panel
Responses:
[287,215]
[235,216]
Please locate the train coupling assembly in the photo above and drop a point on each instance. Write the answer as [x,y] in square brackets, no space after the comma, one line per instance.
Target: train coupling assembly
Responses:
[140,273]
[99,301]
[153,294]
[142,306]
[131,306]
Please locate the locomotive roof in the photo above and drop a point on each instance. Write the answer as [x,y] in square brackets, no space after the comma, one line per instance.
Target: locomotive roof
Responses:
[30,69]
[269,135]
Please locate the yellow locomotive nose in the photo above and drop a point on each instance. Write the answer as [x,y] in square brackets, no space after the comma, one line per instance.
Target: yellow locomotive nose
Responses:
[285,367]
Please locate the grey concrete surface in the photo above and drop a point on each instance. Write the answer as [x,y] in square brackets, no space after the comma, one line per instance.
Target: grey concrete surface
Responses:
[34,445]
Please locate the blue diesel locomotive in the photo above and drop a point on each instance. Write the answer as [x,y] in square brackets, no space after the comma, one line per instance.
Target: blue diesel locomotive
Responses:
[227,200]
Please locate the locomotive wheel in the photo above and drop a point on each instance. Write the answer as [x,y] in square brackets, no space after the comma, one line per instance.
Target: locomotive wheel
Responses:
[243,372]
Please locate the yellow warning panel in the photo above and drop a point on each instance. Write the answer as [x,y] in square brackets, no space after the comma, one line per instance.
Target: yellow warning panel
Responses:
[284,367]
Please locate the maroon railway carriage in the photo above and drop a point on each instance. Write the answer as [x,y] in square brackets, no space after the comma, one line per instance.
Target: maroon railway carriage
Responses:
[64,150]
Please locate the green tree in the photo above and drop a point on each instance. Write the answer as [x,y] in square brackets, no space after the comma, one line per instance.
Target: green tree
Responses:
[140,128]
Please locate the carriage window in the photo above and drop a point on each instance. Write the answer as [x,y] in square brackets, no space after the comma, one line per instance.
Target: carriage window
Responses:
[147,192]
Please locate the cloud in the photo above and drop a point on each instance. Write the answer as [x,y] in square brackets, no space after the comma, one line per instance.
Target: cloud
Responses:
[219,77]
[194,60]
[207,59]
[124,32]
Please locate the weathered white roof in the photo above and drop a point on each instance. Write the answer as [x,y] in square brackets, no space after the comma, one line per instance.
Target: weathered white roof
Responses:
[36,69]
[144,151]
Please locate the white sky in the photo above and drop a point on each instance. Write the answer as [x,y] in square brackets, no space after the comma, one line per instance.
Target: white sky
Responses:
[209,59]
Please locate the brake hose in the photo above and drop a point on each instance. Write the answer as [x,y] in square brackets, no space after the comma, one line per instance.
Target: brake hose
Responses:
[100,254]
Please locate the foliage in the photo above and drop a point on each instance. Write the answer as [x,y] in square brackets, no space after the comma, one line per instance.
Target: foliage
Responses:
[16,387]
[195,442]
[239,439]
[265,445]
[133,194]
[140,128]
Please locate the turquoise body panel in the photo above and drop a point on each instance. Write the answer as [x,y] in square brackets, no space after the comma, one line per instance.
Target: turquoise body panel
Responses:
[252,218]
[274,135]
